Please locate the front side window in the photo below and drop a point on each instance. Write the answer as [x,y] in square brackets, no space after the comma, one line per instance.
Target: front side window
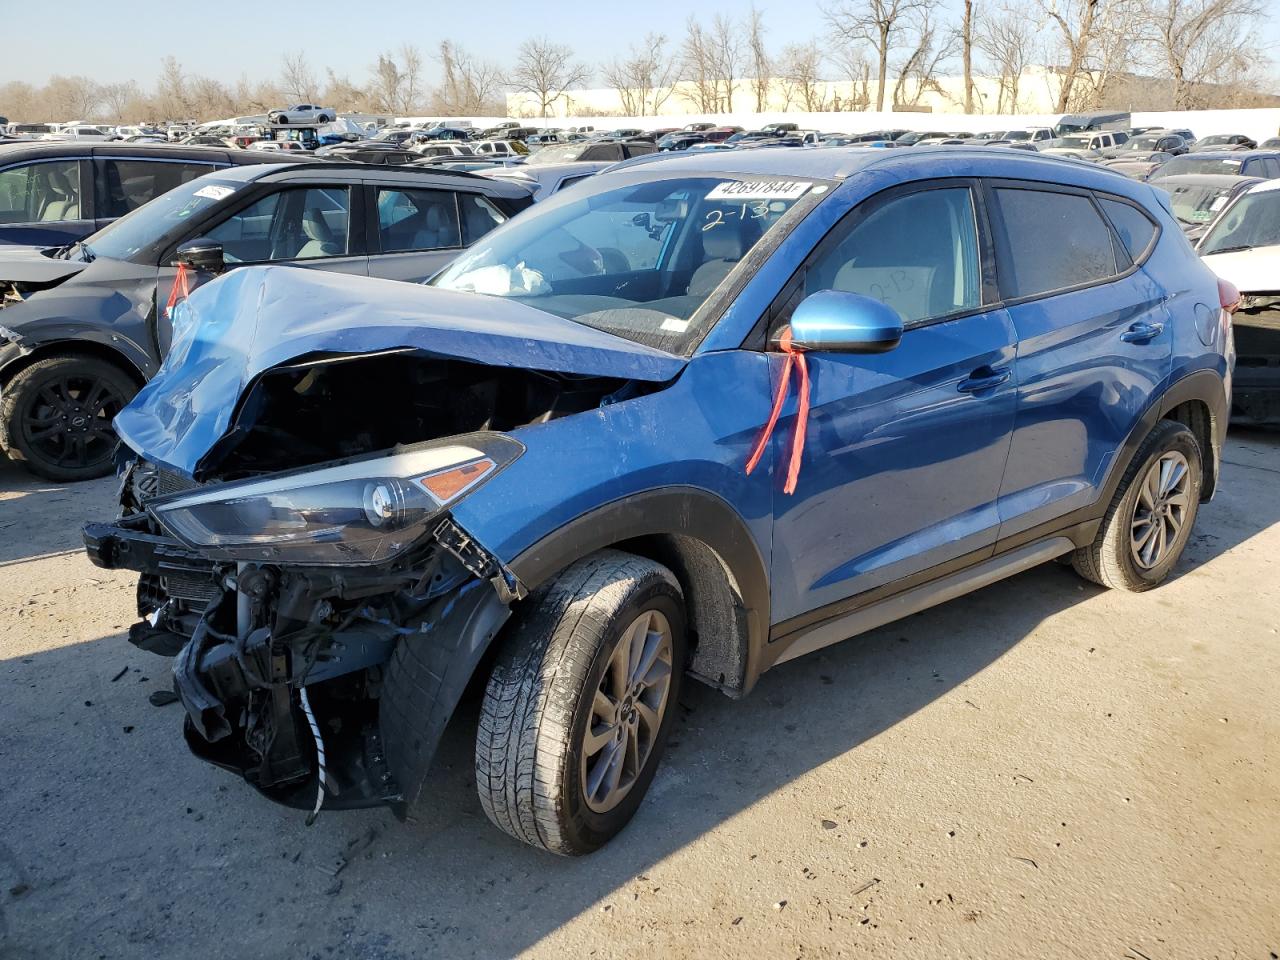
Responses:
[125,185]
[1252,221]
[637,260]
[417,220]
[41,192]
[293,224]
[1049,241]
[917,253]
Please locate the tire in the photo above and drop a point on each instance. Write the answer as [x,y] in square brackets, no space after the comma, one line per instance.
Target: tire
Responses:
[534,766]
[56,415]
[1115,559]
[324,118]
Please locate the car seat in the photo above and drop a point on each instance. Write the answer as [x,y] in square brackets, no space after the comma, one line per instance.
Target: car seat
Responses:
[723,245]
[320,239]
[67,204]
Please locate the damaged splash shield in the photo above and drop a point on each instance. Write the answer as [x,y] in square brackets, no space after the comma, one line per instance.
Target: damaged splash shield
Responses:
[236,328]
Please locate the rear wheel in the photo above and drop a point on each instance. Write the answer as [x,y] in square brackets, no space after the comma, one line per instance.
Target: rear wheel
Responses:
[1149,521]
[579,703]
[56,414]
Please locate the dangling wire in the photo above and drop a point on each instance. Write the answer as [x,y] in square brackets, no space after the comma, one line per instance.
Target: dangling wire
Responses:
[797,359]
[322,780]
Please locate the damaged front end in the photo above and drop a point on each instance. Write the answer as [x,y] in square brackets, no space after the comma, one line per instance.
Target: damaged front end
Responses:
[298,459]
[309,581]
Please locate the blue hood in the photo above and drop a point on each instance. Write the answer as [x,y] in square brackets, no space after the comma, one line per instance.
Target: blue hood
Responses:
[240,325]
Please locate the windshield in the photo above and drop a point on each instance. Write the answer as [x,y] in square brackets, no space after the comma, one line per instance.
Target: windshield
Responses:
[1142,143]
[1252,221]
[147,224]
[1074,143]
[636,261]
[1197,202]
[1191,163]
[1219,140]
[1016,135]
[559,154]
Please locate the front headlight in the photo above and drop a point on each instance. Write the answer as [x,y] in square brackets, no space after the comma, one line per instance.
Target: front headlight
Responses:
[358,512]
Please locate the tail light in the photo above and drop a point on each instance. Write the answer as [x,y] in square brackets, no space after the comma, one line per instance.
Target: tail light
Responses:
[1228,295]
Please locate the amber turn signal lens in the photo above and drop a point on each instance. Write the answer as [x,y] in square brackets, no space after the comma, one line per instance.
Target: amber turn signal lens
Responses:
[449,484]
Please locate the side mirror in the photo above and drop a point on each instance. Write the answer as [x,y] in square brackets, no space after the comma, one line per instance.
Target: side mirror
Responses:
[202,254]
[834,321]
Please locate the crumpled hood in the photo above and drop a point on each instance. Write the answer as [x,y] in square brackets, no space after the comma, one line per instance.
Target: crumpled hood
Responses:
[1256,270]
[252,319]
[29,265]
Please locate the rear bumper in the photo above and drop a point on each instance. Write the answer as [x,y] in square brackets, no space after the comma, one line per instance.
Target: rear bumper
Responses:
[1255,394]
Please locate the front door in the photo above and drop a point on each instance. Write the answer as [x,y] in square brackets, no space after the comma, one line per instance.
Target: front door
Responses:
[905,450]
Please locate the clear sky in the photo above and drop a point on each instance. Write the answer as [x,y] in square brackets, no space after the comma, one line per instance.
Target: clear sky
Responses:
[125,39]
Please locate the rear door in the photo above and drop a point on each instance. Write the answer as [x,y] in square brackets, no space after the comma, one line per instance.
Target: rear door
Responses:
[1093,348]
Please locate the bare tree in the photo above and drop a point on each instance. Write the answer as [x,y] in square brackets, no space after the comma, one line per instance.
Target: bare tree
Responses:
[469,85]
[709,58]
[1094,37]
[397,80]
[119,98]
[918,73]
[171,98]
[966,42]
[545,70]
[644,78]
[1200,41]
[877,22]
[341,92]
[761,69]
[800,70]
[19,100]
[297,79]
[1006,38]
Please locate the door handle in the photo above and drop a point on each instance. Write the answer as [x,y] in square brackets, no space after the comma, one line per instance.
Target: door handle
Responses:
[1142,332]
[984,378]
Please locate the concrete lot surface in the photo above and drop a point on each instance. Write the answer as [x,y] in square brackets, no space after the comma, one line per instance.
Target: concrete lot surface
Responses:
[1040,770]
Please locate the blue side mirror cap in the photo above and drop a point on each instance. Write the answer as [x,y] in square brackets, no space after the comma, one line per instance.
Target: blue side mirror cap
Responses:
[834,321]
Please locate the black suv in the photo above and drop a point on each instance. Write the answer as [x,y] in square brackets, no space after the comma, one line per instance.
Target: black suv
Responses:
[55,193]
[84,325]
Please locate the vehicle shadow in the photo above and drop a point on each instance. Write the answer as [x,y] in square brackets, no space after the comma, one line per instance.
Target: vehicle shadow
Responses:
[182,859]
[40,518]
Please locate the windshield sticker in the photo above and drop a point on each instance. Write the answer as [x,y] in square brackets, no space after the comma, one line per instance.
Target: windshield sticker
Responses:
[1218,203]
[673,325]
[760,190]
[215,192]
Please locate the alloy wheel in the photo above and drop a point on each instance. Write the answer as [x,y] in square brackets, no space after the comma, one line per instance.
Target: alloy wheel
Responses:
[68,422]
[627,711]
[1160,512]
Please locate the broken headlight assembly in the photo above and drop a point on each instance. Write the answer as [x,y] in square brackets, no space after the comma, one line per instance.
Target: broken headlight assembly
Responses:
[356,512]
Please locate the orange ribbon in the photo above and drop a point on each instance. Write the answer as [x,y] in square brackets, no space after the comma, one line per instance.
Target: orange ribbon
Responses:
[794,358]
[180,290]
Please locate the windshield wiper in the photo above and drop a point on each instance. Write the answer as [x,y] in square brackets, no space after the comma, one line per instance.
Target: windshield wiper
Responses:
[1236,249]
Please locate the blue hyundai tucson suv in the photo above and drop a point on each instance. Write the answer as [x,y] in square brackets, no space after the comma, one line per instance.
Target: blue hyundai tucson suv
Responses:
[694,416]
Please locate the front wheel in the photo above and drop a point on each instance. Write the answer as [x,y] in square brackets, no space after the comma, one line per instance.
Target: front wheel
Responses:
[56,414]
[1149,521]
[580,701]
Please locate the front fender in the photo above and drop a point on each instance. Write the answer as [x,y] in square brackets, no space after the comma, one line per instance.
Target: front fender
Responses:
[108,320]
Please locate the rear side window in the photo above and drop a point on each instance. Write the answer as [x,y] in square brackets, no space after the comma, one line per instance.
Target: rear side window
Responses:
[125,185]
[479,216]
[1134,227]
[1049,241]
[417,220]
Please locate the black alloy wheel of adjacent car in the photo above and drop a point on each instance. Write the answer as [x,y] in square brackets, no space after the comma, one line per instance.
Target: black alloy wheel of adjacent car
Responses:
[56,414]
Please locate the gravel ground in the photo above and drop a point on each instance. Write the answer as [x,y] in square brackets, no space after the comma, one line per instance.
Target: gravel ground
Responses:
[1041,769]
